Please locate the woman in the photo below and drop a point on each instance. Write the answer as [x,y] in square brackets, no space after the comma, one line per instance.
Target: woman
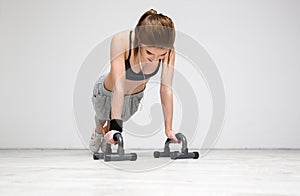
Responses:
[135,56]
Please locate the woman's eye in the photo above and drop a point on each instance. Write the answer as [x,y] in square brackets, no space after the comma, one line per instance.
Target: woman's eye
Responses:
[148,52]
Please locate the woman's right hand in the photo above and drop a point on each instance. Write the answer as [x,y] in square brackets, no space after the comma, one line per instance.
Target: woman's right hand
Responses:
[109,137]
[171,134]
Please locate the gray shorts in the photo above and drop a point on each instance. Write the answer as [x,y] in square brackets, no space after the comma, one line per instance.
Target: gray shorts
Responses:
[102,102]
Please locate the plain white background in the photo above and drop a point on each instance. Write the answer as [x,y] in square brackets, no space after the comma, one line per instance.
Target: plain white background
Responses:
[255,45]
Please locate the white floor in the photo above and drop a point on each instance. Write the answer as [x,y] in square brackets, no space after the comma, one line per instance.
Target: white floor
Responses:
[220,172]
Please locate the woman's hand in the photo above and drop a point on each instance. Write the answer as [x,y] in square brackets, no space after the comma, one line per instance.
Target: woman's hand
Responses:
[171,135]
[109,137]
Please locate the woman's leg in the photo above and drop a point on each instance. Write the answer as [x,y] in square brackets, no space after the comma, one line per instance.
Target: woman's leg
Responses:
[97,137]
[99,126]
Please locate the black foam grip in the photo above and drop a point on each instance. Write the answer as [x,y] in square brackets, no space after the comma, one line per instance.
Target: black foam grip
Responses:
[115,136]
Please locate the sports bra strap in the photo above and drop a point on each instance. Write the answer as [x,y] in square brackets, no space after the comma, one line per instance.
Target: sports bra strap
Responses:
[129,46]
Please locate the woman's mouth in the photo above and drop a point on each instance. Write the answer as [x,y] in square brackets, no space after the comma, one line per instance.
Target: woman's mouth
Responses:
[149,60]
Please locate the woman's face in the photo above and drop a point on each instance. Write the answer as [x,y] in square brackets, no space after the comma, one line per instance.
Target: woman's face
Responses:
[151,54]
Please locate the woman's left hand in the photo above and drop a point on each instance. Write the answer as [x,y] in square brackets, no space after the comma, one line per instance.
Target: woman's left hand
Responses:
[171,135]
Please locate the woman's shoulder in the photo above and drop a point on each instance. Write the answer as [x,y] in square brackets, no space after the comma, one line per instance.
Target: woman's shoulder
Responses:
[122,38]
[120,42]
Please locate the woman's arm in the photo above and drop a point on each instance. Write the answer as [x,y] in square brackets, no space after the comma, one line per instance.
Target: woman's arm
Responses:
[117,73]
[166,92]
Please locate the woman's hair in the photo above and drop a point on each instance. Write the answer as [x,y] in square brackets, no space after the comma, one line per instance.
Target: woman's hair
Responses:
[155,30]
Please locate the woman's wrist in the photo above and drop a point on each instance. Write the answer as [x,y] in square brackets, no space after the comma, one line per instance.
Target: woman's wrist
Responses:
[116,124]
[168,131]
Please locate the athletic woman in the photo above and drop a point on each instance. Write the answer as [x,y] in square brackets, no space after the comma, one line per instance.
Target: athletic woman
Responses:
[135,57]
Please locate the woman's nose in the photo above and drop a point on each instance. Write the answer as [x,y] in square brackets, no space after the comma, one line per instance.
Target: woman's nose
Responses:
[153,59]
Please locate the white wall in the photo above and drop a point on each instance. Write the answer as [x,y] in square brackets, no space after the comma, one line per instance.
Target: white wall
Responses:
[255,45]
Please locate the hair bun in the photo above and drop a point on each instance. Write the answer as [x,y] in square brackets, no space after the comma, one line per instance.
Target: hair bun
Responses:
[152,11]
